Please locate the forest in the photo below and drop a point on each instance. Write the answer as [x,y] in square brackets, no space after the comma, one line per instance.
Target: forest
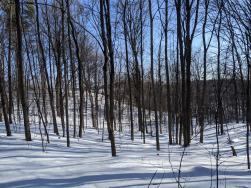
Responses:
[125,93]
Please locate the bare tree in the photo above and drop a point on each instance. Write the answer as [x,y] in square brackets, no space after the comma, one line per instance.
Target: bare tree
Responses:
[20,69]
[108,53]
[152,76]
[3,92]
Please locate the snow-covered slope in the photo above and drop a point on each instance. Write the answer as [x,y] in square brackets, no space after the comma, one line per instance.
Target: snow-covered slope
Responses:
[88,162]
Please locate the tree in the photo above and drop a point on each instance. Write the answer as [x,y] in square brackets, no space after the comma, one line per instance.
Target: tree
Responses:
[80,75]
[45,71]
[65,74]
[21,86]
[185,59]
[152,76]
[167,75]
[108,53]
[128,69]
[3,94]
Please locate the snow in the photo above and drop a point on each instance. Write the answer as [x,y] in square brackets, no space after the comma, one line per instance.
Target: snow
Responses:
[88,162]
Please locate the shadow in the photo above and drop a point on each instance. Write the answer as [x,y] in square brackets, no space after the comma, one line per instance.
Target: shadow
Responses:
[109,178]
[71,182]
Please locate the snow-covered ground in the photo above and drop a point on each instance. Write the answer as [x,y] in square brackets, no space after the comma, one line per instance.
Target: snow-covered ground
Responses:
[88,162]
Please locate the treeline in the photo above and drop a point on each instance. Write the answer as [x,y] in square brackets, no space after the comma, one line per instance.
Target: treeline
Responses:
[175,64]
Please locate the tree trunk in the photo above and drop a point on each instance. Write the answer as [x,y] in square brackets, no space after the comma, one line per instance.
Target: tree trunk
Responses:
[21,86]
[107,45]
[152,77]
[167,76]
[4,96]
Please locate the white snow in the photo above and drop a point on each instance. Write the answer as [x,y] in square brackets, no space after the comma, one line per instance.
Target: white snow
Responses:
[88,162]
